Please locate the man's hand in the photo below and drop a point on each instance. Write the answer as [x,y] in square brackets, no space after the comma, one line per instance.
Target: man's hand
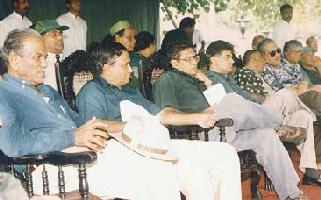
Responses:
[202,77]
[206,119]
[93,134]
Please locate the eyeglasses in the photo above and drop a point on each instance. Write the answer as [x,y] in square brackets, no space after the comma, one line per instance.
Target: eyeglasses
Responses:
[190,59]
[273,52]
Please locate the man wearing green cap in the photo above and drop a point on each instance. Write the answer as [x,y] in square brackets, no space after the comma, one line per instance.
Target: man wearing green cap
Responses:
[51,33]
[123,33]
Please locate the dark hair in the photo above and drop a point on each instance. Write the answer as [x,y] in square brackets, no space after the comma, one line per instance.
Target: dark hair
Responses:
[105,54]
[173,50]
[247,56]
[285,7]
[78,61]
[187,22]
[159,60]
[261,46]
[67,2]
[143,40]
[216,48]
[110,39]
[291,45]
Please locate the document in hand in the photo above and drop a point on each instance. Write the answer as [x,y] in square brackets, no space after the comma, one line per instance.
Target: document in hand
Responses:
[214,94]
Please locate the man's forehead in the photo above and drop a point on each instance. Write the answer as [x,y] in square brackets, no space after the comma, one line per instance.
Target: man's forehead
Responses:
[187,52]
[270,46]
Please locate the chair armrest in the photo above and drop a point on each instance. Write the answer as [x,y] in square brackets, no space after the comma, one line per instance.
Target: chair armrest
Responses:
[62,158]
[225,122]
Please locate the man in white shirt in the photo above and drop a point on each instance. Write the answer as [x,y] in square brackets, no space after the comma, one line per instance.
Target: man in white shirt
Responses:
[16,20]
[51,33]
[285,30]
[75,37]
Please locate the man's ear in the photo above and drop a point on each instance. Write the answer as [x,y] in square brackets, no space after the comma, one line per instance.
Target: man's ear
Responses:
[174,62]
[14,59]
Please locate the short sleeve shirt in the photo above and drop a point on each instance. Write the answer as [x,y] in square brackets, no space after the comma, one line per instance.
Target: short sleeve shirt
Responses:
[180,91]
[100,99]
[249,81]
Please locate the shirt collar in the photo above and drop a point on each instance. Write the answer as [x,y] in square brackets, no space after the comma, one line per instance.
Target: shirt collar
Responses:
[18,16]
[184,74]
[104,82]
[16,80]
[213,73]
[72,15]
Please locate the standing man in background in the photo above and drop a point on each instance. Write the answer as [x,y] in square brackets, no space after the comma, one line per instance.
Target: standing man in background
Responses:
[76,37]
[285,30]
[16,20]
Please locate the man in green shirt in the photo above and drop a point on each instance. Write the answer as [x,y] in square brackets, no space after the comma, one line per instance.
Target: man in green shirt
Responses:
[254,125]
[198,161]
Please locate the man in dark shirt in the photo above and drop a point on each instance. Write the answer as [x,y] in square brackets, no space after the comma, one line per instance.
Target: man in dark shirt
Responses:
[197,160]
[181,90]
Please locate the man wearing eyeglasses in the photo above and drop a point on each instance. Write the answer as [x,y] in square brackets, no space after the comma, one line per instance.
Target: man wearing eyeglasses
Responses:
[182,89]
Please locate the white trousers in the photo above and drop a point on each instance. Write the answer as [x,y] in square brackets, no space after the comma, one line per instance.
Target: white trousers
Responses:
[205,171]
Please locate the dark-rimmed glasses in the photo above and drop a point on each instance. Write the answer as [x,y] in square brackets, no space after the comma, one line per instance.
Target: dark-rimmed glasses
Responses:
[190,59]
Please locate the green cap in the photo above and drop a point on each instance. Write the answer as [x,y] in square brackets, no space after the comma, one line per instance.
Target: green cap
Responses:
[118,26]
[44,26]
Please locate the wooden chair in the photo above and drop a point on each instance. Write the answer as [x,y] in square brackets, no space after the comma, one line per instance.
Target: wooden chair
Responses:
[249,165]
[9,164]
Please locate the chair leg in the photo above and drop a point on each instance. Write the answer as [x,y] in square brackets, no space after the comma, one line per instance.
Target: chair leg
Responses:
[29,181]
[255,193]
[45,181]
[61,182]
[83,184]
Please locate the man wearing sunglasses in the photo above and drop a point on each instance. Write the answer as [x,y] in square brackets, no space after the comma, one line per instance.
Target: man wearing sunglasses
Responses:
[180,89]
[287,74]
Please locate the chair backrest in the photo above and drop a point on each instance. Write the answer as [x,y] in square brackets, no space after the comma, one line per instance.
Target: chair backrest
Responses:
[80,79]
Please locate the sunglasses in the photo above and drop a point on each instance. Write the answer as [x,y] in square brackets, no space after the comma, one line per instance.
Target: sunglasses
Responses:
[273,52]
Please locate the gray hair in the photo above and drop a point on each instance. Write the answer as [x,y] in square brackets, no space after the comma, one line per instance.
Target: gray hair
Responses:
[13,42]
[261,46]
[292,44]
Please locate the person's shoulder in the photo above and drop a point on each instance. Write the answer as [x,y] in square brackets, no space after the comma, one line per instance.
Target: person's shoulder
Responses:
[90,87]
[62,17]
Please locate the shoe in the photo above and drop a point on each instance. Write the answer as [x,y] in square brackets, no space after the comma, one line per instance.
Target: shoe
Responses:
[302,196]
[311,181]
[292,134]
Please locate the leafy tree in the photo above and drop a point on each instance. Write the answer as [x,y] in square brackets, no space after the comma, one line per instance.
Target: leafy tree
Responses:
[265,12]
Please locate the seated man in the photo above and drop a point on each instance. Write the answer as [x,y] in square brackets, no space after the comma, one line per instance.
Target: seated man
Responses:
[35,119]
[179,89]
[294,112]
[198,161]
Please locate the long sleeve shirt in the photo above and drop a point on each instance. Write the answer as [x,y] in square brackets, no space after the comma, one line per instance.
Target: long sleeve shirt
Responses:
[34,119]
[11,22]
[75,37]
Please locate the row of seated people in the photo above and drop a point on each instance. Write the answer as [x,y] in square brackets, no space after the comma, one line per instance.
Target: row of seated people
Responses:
[178,94]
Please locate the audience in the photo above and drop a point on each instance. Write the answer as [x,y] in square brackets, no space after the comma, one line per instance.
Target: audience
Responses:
[253,123]
[198,161]
[266,91]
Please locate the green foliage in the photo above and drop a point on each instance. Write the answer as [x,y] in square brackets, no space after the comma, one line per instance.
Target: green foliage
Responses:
[266,13]
[194,6]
